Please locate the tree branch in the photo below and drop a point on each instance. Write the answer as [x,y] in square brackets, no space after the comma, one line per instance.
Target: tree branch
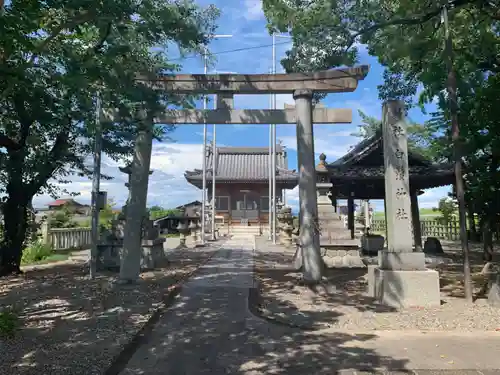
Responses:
[54,159]
[82,18]
[24,119]
[8,143]
[407,21]
[103,37]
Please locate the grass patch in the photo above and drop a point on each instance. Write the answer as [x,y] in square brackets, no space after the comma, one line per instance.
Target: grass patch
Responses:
[9,322]
[425,214]
[170,235]
[40,253]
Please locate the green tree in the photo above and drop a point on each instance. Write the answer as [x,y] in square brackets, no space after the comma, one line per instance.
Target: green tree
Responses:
[408,39]
[156,212]
[420,137]
[61,219]
[447,207]
[54,58]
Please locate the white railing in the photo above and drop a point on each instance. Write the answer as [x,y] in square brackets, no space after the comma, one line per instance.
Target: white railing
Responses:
[69,238]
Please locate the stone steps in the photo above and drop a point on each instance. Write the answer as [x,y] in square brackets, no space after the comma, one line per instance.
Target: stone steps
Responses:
[244,230]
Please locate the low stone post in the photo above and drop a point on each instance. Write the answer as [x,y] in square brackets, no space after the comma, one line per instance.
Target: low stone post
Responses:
[309,234]
[401,279]
[285,218]
[45,229]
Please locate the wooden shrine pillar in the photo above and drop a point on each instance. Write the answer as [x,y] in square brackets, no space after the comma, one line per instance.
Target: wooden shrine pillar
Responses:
[350,215]
[415,219]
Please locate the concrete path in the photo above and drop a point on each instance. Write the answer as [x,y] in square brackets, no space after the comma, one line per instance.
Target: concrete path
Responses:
[203,333]
[210,331]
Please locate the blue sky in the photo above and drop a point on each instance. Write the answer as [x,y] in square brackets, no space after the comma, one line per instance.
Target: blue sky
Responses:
[245,20]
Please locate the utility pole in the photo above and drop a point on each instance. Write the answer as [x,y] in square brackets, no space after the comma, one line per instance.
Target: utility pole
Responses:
[96,177]
[273,145]
[274,148]
[204,161]
[214,158]
[455,136]
[269,206]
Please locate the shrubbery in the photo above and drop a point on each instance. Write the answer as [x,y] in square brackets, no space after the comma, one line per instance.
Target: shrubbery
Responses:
[9,323]
[36,252]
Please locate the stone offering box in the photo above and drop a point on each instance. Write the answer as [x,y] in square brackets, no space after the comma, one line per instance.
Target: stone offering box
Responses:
[371,244]
[111,247]
[152,254]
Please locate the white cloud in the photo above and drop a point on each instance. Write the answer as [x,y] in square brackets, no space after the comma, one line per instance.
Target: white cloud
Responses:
[431,197]
[167,185]
[332,147]
[253,10]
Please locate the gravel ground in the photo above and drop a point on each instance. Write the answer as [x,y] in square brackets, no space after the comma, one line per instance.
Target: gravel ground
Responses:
[73,325]
[340,301]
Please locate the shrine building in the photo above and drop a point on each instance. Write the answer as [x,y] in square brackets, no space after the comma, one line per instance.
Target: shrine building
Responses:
[242,183]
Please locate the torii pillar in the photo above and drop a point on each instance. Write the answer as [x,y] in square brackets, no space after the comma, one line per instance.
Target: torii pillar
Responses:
[308,200]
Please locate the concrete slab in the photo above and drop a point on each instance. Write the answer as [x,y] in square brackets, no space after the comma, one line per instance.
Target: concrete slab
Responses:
[406,288]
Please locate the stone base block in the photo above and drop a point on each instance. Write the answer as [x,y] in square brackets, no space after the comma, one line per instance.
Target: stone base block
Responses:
[405,288]
[371,280]
[342,258]
[152,255]
[414,261]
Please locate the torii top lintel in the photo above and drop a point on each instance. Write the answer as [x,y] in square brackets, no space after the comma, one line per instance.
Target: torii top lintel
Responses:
[326,81]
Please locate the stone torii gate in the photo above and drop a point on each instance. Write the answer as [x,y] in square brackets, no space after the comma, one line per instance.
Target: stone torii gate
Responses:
[225,86]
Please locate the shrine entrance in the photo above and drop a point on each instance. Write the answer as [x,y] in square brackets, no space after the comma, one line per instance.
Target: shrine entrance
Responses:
[225,86]
[246,207]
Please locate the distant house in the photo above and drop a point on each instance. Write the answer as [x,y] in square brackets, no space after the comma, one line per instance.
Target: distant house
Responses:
[168,224]
[191,208]
[71,205]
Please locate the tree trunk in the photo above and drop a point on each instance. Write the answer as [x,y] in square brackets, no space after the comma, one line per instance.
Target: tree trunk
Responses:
[488,239]
[472,224]
[15,225]
[455,136]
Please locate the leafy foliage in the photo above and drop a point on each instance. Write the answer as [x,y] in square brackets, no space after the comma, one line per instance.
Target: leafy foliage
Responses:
[106,216]
[36,252]
[420,137]
[62,218]
[447,207]
[156,212]
[55,58]
[9,323]
[408,38]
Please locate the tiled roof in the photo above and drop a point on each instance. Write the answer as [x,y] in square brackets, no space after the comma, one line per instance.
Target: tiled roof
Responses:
[433,175]
[244,164]
[61,202]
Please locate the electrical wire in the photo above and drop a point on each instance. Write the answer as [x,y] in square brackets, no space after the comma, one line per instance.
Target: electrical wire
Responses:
[228,51]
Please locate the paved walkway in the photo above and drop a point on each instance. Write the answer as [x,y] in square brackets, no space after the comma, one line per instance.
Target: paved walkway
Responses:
[210,331]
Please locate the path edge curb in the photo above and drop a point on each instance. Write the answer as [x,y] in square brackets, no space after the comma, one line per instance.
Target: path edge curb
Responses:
[121,360]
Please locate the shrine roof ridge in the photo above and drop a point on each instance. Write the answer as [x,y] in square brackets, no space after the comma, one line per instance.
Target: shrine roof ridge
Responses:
[244,165]
[248,150]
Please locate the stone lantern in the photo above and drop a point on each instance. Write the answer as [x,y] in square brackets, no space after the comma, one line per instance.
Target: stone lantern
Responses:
[183,229]
[193,228]
[285,219]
